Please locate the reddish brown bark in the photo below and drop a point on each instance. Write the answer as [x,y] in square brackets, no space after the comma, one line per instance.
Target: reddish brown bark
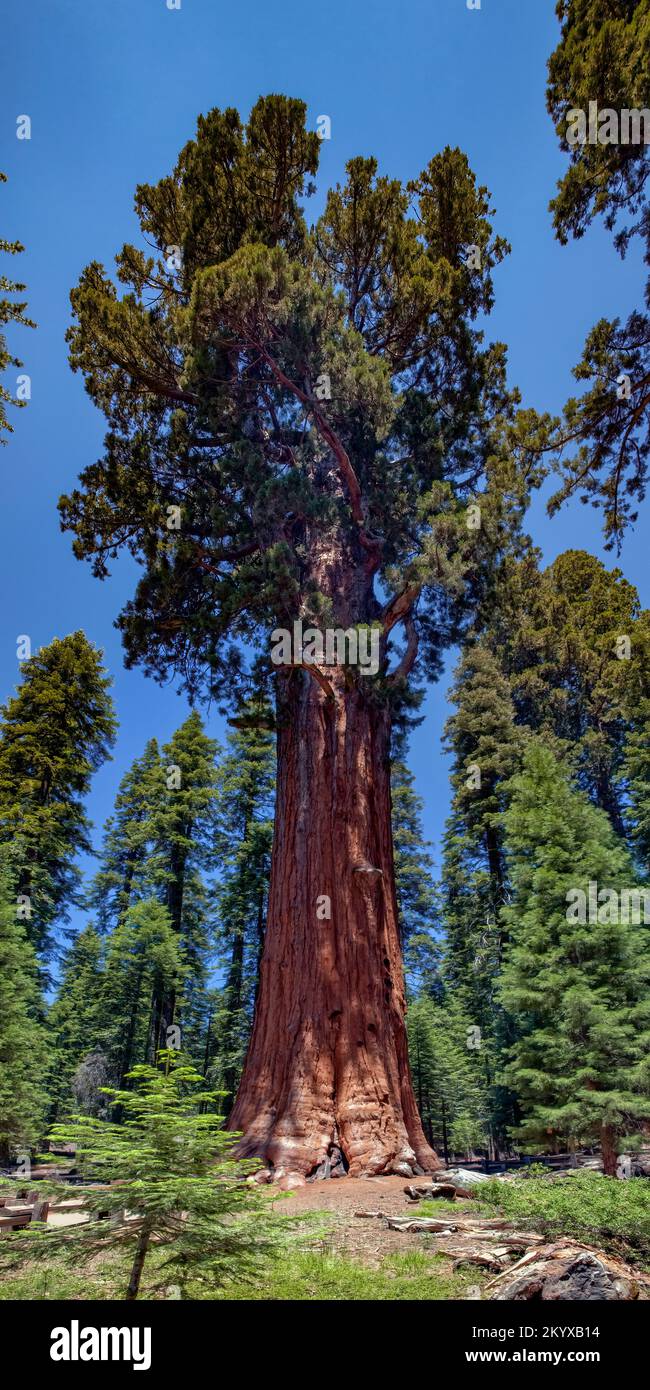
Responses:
[608,1150]
[327,1072]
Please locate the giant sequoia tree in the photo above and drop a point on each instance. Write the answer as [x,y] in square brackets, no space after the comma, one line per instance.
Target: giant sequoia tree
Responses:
[298,421]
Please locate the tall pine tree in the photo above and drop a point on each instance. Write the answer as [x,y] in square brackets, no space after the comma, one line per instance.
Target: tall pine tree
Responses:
[54,733]
[577,987]
[23,1045]
[244,836]
[637,776]
[449,1077]
[416,896]
[144,965]
[575,645]
[122,879]
[486,748]
[75,1018]
[182,832]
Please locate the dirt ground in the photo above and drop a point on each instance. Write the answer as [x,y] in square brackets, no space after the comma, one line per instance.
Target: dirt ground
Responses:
[363,1237]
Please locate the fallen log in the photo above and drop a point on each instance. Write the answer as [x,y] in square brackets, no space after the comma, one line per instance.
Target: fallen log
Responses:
[423,1224]
[566,1269]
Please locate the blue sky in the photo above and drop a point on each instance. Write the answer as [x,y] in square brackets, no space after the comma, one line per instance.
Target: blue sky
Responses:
[113,89]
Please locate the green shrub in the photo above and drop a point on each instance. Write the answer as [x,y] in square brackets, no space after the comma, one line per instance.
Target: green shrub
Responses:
[600,1211]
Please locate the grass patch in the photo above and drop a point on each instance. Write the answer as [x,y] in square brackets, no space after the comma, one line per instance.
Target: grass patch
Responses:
[411,1277]
[438,1207]
[295,1274]
[56,1278]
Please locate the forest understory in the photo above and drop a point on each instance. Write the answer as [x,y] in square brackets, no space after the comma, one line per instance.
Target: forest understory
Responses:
[374,1239]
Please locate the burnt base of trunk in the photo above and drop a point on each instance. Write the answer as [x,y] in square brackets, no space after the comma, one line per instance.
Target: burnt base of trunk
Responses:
[326,1087]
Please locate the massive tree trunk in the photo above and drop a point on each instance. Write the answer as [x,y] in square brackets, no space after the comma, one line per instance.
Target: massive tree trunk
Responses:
[326,1086]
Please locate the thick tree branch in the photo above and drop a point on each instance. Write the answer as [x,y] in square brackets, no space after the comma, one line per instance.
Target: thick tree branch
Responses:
[326,432]
[407,662]
[159,388]
[317,675]
[399,607]
[206,560]
[405,666]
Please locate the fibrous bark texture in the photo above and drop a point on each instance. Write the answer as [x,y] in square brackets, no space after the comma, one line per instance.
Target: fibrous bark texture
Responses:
[326,1086]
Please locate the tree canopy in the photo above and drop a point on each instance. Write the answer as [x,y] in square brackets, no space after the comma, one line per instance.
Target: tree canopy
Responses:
[12,310]
[264,384]
[603,57]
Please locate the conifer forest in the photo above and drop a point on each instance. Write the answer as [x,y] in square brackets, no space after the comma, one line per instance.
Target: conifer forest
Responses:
[325,674]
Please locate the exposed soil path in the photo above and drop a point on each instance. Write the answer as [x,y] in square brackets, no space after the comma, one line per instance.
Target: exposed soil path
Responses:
[362,1237]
